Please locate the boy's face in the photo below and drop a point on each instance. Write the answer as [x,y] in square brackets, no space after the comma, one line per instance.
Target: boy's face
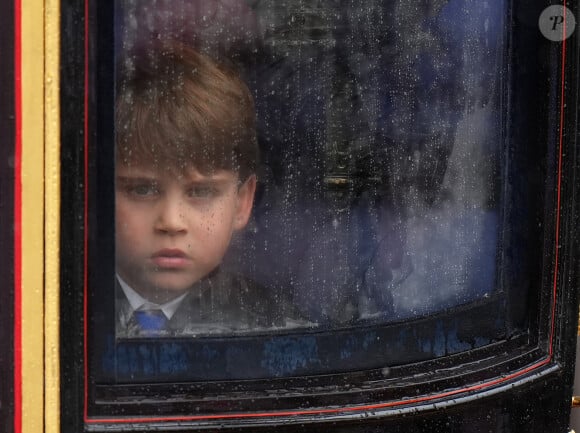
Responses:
[172,230]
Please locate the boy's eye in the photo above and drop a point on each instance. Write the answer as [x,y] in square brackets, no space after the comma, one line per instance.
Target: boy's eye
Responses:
[203,191]
[143,190]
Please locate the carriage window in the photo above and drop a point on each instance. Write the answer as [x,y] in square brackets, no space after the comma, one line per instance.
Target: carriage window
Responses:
[302,166]
[310,188]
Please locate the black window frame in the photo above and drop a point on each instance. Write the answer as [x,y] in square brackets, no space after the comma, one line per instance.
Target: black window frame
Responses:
[11,133]
[87,71]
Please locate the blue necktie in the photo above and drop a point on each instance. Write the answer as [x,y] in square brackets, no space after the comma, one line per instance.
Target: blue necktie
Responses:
[150,322]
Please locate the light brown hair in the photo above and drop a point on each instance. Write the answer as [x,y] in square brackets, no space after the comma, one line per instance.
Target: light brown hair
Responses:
[177,109]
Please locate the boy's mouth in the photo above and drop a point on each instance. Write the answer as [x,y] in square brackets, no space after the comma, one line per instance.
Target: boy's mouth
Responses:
[170,258]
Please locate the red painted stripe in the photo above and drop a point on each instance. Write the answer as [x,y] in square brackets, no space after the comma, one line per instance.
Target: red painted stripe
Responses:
[17,217]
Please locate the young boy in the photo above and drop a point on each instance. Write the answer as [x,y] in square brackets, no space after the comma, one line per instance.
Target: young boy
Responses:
[186,155]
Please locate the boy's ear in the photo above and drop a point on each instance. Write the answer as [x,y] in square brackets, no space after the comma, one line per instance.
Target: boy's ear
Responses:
[245,202]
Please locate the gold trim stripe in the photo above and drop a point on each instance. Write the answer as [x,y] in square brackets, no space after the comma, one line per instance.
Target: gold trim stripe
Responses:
[32,229]
[52,215]
[40,216]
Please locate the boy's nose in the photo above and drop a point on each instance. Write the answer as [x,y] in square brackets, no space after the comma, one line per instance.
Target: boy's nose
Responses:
[170,218]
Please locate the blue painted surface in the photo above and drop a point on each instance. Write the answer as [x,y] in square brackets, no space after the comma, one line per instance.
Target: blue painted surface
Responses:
[286,355]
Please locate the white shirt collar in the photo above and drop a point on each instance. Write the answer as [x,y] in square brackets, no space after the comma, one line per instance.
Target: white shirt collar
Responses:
[137,302]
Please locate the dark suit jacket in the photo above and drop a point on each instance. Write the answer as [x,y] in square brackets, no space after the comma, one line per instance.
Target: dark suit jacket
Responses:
[221,304]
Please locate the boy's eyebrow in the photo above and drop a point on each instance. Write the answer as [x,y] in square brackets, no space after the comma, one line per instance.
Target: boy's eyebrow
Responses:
[213,178]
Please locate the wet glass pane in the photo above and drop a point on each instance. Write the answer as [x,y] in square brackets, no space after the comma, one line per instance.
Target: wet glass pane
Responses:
[307,164]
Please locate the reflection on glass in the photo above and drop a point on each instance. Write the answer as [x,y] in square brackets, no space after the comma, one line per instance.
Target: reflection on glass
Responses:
[376,196]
